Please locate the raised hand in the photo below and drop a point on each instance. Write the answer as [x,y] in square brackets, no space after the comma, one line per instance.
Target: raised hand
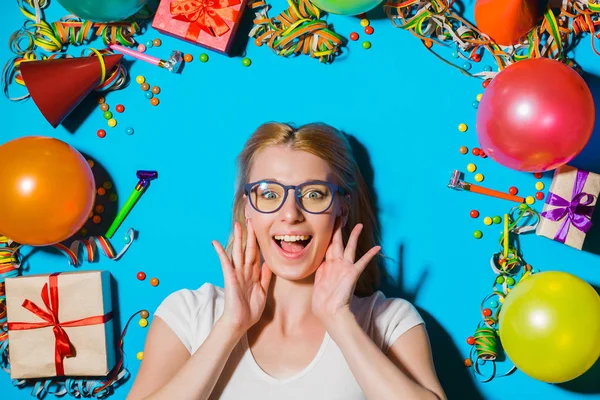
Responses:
[246,283]
[336,278]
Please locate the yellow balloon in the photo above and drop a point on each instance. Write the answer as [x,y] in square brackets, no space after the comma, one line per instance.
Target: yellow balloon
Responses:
[550,326]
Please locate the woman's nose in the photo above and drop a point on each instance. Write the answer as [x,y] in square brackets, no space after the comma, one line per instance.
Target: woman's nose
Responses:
[290,211]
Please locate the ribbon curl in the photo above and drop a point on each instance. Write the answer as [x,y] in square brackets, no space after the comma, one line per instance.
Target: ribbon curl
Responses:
[577,212]
[297,30]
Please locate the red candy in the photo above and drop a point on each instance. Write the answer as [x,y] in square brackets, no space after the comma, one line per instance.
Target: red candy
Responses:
[513,190]
[369,30]
[471,340]
[482,154]
[487,312]
[120,108]
[141,276]
[539,195]
[476,151]
[101,133]
[537,175]
[486,83]
[474,213]
[354,36]
[476,57]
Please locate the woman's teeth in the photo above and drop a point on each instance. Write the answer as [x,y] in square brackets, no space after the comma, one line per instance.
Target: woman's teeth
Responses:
[291,238]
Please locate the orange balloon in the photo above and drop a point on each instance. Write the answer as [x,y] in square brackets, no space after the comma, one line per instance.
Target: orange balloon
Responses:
[47,190]
[505,21]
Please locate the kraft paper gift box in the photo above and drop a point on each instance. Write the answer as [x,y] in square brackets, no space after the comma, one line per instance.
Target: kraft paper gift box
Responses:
[567,214]
[209,23]
[60,325]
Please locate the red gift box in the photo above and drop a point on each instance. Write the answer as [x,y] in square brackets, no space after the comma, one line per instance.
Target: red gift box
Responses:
[209,23]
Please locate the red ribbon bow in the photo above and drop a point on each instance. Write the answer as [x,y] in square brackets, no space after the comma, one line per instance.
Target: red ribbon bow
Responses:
[206,15]
[63,346]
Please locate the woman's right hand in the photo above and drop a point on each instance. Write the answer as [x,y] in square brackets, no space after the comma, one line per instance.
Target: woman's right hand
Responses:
[246,283]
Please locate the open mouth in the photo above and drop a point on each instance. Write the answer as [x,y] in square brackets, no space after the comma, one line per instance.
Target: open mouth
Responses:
[292,244]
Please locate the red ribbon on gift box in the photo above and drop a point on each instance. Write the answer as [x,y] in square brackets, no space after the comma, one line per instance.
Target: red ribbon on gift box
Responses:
[205,15]
[63,346]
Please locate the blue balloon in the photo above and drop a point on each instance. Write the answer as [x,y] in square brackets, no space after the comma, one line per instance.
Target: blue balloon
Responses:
[103,10]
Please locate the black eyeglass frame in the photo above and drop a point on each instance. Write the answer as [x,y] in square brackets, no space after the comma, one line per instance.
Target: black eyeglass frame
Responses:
[334,189]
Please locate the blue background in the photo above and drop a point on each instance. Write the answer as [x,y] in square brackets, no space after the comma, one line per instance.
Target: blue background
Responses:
[400,103]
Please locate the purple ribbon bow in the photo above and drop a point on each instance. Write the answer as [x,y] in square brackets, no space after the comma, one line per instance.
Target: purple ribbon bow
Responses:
[576,212]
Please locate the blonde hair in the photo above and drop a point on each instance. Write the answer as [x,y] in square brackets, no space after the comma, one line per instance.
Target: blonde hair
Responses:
[332,146]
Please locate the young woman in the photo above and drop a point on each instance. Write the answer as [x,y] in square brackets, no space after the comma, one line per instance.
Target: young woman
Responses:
[299,317]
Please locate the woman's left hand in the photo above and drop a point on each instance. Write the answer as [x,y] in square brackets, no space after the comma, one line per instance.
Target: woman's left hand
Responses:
[336,278]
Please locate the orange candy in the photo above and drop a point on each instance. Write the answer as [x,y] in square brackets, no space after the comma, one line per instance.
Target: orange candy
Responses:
[154,101]
[154,281]
[188,58]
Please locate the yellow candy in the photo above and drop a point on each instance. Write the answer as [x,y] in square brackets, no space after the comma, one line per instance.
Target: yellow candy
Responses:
[471,168]
[143,322]
[112,122]
[462,127]
[479,178]
[539,186]
[530,200]
[479,96]
[487,221]
[140,355]
[140,79]
[364,22]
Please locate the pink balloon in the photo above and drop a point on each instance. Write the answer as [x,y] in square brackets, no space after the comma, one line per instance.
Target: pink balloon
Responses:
[535,115]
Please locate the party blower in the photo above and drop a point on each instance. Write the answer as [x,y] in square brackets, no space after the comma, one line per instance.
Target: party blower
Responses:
[145,177]
[172,64]
[458,184]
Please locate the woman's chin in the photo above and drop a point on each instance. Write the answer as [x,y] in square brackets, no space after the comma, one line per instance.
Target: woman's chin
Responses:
[292,270]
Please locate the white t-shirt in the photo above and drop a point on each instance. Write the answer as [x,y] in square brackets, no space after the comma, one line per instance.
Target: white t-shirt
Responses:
[192,313]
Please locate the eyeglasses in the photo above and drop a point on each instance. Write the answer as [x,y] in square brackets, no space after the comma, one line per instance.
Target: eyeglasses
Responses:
[314,197]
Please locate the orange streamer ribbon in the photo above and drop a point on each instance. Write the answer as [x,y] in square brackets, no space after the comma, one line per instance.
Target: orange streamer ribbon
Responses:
[63,347]
[205,15]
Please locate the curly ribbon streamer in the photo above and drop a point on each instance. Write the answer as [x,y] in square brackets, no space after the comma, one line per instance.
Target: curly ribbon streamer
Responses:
[434,21]
[510,269]
[71,30]
[9,268]
[89,248]
[298,30]
[577,212]
[62,345]
[205,15]
[486,343]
